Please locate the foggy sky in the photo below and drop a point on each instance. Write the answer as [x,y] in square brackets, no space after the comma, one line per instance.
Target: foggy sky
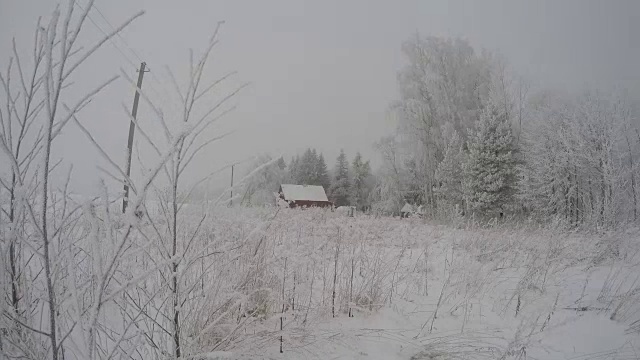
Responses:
[323,73]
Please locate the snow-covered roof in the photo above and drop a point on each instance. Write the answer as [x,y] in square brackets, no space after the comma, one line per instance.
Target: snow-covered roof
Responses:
[304,192]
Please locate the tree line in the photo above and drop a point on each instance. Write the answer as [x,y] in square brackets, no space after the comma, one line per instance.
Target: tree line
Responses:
[349,183]
[473,138]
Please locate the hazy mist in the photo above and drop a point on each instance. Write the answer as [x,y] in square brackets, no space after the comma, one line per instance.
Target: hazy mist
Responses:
[322,74]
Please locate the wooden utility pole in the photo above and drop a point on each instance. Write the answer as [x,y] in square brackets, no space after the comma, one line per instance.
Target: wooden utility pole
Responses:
[231,197]
[132,127]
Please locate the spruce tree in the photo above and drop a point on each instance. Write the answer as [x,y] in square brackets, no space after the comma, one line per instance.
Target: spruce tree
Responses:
[307,168]
[490,168]
[294,170]
[340,187]
[322,173]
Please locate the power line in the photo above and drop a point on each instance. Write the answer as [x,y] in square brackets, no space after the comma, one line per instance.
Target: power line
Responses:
[126,45]
[162,95]
[118,34]
[109,37]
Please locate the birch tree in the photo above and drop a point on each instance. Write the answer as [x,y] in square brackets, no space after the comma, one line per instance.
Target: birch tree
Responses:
[174,243]
[449,173]
[577,166]
[43,215]
[446,85]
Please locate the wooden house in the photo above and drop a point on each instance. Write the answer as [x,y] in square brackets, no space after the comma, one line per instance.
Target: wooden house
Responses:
[304,195]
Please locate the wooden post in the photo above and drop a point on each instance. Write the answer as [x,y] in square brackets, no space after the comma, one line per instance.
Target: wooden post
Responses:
[132,127]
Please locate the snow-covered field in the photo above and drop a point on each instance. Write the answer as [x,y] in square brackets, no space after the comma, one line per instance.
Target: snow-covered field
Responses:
[415,290]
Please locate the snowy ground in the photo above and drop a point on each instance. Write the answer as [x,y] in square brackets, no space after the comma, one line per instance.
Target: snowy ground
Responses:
[424,291]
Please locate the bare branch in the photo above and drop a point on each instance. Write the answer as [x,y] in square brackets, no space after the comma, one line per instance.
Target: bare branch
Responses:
[144,96]
[103,152]
[99,43]
[79,105]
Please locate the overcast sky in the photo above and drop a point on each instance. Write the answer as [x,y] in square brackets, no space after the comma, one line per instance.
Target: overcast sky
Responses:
[323,73]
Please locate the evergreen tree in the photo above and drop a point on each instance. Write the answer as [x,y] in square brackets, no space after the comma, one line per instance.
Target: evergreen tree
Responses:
[307,168]
[313,172]
[294,170]
[322,173]
[490,168]
[360,185]
[310,169]
[313,168]
[340,187]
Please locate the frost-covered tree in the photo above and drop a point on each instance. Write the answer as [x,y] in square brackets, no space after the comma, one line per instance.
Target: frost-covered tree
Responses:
[19,138]
[490,167]
[449,173]
[416,185]
[361,182]
[281,164]
[322,174]
[293,170]
[446,81]
[341,186]
[546,186]
[307,167]
[446,84]
[43,242]
[259,189]
[579,159]
[386,195]
[577,156]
